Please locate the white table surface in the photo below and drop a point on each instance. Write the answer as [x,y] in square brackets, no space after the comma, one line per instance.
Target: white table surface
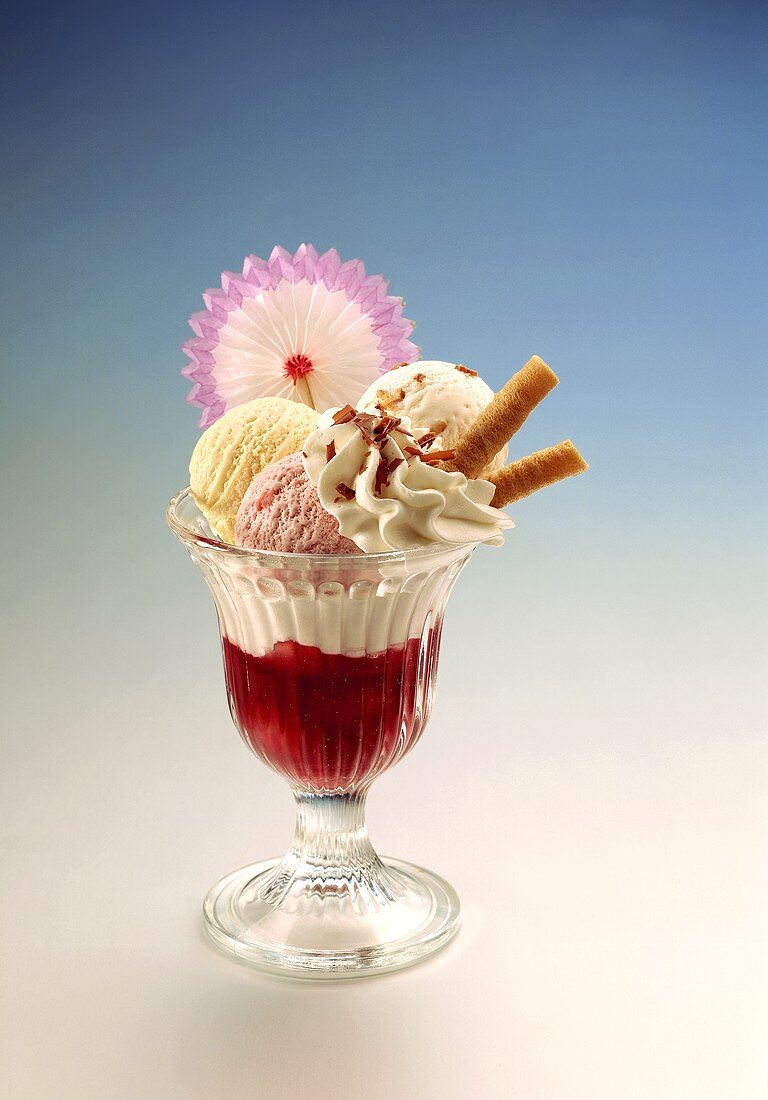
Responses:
[599,807]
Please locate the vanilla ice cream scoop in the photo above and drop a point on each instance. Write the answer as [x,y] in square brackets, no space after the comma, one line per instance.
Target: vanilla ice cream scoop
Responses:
[237,447]
[444,398]
[379,477]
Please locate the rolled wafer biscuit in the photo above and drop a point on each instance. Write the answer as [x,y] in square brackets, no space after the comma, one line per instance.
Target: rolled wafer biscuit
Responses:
[504,416]
[533,472]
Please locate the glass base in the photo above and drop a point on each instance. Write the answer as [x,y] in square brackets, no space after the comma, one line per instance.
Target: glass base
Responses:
[320,928]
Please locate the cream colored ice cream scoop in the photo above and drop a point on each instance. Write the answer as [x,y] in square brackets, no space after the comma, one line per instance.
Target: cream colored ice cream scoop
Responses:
[237,447]
[446,398]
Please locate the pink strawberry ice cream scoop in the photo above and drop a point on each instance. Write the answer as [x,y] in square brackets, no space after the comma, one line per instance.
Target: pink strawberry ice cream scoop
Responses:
[281,511]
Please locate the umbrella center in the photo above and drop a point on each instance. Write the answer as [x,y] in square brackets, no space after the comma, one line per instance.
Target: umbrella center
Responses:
[297,366]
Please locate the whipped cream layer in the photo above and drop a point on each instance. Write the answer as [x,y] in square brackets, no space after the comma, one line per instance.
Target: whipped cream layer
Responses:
[348,612]
[380,479]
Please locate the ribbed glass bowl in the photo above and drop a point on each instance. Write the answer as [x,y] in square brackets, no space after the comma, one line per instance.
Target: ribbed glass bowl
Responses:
[330,664]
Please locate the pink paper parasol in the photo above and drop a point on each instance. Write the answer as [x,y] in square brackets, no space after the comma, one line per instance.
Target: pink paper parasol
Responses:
[306,327]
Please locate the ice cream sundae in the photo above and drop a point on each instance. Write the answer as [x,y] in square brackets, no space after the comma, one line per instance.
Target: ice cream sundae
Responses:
[339,488]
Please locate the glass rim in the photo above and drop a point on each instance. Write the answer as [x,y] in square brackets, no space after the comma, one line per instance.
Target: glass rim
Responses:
[190,537]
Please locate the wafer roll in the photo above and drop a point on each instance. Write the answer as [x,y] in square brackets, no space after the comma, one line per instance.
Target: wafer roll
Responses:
[525,476]
[505,415]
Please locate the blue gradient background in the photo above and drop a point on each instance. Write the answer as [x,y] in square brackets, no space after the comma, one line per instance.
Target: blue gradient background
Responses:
[584,182]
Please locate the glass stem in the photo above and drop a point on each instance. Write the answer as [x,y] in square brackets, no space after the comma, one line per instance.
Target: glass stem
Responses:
[331,855]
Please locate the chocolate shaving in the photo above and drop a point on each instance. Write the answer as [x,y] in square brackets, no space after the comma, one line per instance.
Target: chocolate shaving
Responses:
[426,440]
[413,451]
[438,456]
[343,416]
[383,427]
[361,471]
[382,477]
[420,377]
[363,422]
[466,370]
[384,471]
[374,430]
[344,491]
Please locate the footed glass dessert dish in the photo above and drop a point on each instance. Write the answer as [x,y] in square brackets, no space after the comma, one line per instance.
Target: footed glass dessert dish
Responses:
[330,664]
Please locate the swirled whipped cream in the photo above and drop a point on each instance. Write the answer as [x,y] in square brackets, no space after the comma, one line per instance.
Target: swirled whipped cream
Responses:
[383,483]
